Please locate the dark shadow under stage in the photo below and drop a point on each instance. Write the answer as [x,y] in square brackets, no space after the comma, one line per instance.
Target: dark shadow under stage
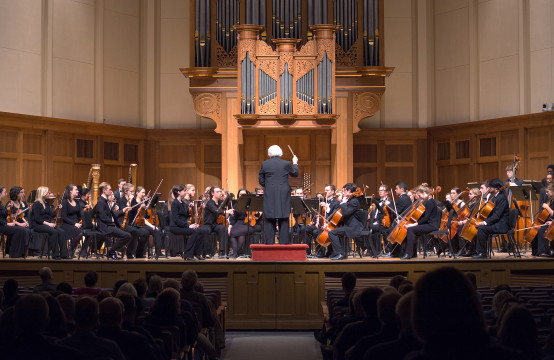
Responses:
[284,294]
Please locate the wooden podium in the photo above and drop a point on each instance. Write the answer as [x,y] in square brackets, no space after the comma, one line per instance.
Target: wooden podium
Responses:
[292,252]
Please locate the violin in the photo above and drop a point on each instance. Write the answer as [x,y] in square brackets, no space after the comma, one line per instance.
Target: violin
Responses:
[9,208]
[250,218]
[58,220]
[334,222]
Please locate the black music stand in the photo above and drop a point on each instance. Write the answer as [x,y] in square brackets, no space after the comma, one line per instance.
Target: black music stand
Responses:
[537,185]
[223,207]
[527,193]
[310,206]
[250,203]
[472,185]
[297,208]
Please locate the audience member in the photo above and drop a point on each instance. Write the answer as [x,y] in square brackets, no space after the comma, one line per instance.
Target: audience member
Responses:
[91,279]
[47,284]
[518,331]
[396,281]
[116,286]
[67,304]
[172,284]
[11,288]
[154,288]
[56,326]
[7,326]
[548,349]
[141,286]
[64,288]
[84,339]
[127,288]
[103,295]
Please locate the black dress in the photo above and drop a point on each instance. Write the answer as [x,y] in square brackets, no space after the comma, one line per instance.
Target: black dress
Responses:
[56,236]
[71,215]
[18,236]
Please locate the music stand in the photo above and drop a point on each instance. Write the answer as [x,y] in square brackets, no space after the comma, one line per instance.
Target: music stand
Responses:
[537,185]
[222,208]
[472,185]
[249,203]
[526,193]
[310,205]
[297,208]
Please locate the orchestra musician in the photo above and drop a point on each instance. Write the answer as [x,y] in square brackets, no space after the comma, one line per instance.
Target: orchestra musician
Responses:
[404,200]
[105,213]
[211,214]
[42,216]
[84,199]
[543,197]
[509,174]
[273,176]
[146,228]
[429,221]
[239,227]
[259,190]
[20,206]
[17,233]
[352,223]
[119,193]
[496,222]
[180,213]
[329,205]
[467,248]
[71,216]
[127,204]
[456,197]
[540,245]
[378,227]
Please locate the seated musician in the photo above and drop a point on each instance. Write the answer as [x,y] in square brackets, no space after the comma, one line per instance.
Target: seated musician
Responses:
[456,198]
[329,204]
[211,215]
[429,221]
[352,223]
[43,218]
[510,173]
[127,204]
[105,213]
[18,234]
[404,199]
[240,227]
[540,245]
[71,216]
[180,214]
[467,248]
[496,222]
[20,211]
[383,207]
[259,190]
[299,227]
[543,197]
[84,199]
[146,228]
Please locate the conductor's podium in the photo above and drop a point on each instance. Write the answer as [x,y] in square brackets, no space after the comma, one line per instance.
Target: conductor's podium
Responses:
[292,252]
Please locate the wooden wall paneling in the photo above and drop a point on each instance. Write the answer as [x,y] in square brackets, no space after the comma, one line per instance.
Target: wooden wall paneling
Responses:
[538,144]
[33,175]
[9,175]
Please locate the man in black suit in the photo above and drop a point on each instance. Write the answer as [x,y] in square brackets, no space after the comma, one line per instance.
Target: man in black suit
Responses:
[497,221]
[273,177]
[107,223]
[119,192]
[402,203]
[543,197]
[350,218]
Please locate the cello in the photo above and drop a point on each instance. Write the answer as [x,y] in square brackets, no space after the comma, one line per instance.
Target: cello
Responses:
[334,222]
[480,213]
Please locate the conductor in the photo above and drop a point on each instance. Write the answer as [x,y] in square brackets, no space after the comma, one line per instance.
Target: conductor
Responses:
[274,177]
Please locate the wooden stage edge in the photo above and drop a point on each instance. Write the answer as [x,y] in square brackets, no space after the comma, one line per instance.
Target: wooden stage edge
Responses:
[283,294]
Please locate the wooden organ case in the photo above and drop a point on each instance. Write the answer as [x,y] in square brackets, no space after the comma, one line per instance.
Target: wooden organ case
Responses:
[285,72]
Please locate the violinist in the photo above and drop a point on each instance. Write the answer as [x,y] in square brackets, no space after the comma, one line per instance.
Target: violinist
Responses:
[127,203]
[71,216]
[496,222]
[84,199]
[211,215]
[239,228]
[146,228]
[180,207]
[540,245]
[259,190]
[429,221]
[106,215]
[18,235]
[351,219]
[20,212]
[42,217]
[467,248]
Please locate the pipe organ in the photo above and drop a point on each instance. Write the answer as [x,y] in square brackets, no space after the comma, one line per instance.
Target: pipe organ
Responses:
[358,27]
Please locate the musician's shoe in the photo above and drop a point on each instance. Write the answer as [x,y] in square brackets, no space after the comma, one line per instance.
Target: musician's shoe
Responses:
[468,254]
[480,256]
[544,255]
[189,258]
[112,255]
[130,256]
[200,257]
[338,257]
[406,257]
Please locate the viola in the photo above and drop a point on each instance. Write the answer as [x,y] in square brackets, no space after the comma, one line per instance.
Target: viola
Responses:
[139,218]
[58,212]
[153,217]
[334,222]
[250,218]
[222,220]
[9,218]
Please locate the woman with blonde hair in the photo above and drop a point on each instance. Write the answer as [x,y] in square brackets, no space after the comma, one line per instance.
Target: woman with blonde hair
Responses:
[42,218]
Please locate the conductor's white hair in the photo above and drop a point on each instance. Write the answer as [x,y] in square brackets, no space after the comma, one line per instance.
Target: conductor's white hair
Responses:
[274,150]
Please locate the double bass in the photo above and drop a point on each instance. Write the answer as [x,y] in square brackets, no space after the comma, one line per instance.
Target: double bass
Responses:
[334,222]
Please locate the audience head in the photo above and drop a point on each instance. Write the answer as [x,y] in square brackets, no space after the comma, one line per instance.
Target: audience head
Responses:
[348,281]
[188,279]
[45,274]
[117,285]
[10,288]
[386,307]
[171,283]
[65,288]
[406,287]
[141,286]
[518,329]
[67,304]
[103,295]
[126,288]
[31,313]
[472,279]
[502,287]
[404,308]
[86,313]
[446,307]
[57,322]
[396,281]
[154,286]
[110,312]
[198,287]
[129,304]
[368,298]
[499,299]
[167,304]
[91,278]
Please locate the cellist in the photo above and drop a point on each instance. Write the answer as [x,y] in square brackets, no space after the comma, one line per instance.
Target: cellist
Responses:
[328,205]
[380,224]
[429,221]
[467,248]
[540,245]
[496,222]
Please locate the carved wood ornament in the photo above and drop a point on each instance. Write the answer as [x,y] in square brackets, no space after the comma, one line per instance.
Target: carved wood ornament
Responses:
[365,104]
[209,105]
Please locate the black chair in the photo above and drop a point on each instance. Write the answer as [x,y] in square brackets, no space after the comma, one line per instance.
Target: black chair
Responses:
[88,232]
[437,233]
[509,234]
[3,244]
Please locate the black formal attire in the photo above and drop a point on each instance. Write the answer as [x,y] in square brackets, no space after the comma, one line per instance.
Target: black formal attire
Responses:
[210,214]
[117,194]
[71,215]
[377,226]
[239,230]
[351,228]
[543,198]
[18,236]
[403,203]
[56,236]
[179,220]
[333,206]
[463,243]
[138,237]
[273,177]
[497,222]
[394,350]
[154,232]
[108,226]
[429,221]
[540,244]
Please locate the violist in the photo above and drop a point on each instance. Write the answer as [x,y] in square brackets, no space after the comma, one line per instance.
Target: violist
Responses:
[146,228]
[429,221]
[125,217]
[17,233]
[42,217]
[180,208]
[496,222]
[71,216]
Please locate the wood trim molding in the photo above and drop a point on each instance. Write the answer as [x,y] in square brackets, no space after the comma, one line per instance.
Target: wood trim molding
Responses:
[209,105]
[365,104]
